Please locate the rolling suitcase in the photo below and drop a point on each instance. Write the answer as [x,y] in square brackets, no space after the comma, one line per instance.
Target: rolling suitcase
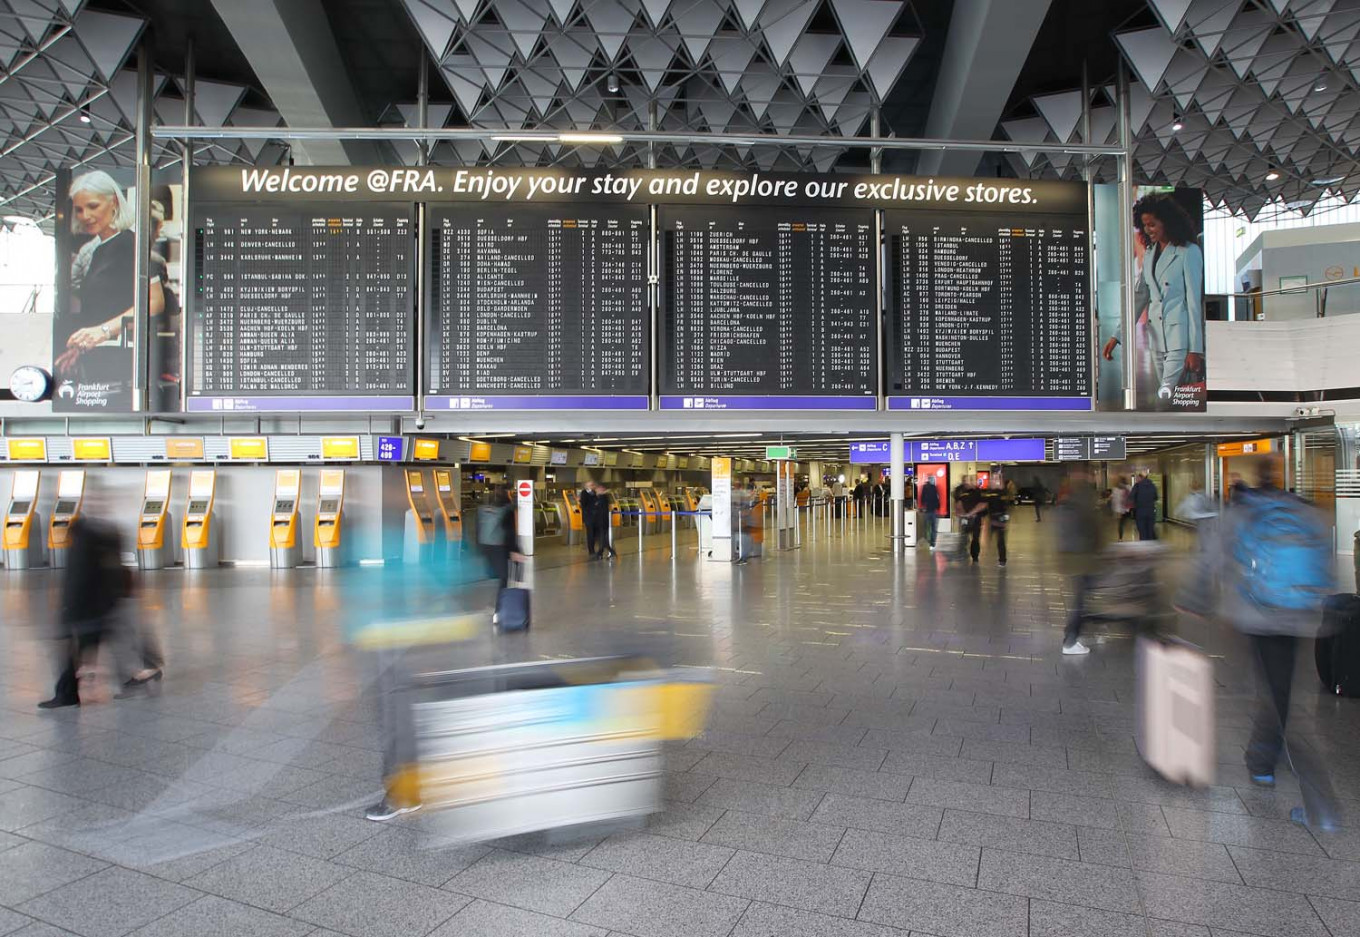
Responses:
[1337,649]
[1176,710]
[513,606]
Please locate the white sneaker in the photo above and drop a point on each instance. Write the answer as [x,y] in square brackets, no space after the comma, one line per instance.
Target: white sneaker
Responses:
[1076,647]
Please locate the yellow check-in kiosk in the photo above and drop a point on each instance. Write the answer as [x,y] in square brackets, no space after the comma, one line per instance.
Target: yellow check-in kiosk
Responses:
[663,504]
[418,535]
[285,549]
[450,511]
[575,526]
[198,536]
[326,527]
[23,545]
[155,546]
[70,494]
[649,507]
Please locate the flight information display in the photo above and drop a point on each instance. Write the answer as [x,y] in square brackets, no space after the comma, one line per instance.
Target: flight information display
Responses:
[538,307]
[302,306]
[768,309]
[988,311]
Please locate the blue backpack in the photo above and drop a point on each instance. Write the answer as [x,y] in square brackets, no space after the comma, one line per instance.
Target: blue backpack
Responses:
[1284,553]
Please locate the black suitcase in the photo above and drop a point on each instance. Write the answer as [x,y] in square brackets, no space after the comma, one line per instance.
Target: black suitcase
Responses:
[1338,645]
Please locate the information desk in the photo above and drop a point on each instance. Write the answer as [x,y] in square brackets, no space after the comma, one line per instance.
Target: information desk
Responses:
[538,307]
[70,494]
[988,311]
[155,549]
[23,547]
[302,307]
[769,308]
[199,536]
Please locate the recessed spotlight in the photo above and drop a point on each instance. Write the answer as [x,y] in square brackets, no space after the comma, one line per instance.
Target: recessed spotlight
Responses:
[1177,126]
[1320,85]
[613,83]
[1272,175]
[84,116]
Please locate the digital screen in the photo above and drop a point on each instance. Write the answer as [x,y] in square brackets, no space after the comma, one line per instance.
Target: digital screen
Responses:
[283,506]
[198,507]
[538,300]
[18,507]
[988,305]
[302,300]
[770,303]
[153,507]
[329,505]
[65,507]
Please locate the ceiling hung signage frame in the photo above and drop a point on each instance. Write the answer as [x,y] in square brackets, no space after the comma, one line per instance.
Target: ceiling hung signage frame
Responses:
[768,331]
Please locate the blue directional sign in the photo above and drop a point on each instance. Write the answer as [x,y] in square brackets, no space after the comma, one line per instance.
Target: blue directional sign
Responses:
[390,448]
[950,450]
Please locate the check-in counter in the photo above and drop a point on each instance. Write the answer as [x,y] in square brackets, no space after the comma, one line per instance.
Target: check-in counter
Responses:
[418,535]
[23,542]
[155,544]
[450,512]
[327,526]
[199,536]
[285,548]
[70,495]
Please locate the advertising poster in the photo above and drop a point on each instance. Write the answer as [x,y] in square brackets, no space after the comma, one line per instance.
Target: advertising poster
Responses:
[1166,237]
[93,328]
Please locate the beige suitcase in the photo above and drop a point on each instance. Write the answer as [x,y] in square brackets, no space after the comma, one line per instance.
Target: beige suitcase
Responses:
[1176,710]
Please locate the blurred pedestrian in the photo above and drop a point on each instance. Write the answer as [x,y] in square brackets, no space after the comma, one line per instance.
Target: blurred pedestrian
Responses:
[1144,497]
[1277,552]
[1079,536]
[587,502]
[970,504]
[93,587]
[498,536]
[1040,496]
[1121,503]
[930,508]
[602,520]
[860,493]
[1000,500]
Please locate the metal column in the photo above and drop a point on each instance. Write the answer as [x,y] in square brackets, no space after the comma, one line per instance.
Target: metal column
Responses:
[1128,315]
[897,479]
[190,69]
[141,264]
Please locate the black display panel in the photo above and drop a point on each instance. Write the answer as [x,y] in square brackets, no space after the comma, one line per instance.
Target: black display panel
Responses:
[313,303]
[771,307]
[989,305]
[543,301]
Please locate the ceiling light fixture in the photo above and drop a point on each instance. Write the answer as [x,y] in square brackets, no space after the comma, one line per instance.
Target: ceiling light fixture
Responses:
[1272,175]
[1177,125]
[612,83]
[524,138]
[1320,85]
[84,116]
[1330,180]
[590,139]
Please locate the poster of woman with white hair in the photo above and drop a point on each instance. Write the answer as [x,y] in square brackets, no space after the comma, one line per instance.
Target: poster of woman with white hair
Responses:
[94,328]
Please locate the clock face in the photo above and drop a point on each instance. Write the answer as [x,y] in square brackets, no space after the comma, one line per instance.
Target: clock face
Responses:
[29,384]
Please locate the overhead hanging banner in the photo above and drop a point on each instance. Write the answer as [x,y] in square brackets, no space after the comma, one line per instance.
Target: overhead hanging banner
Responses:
[640,186]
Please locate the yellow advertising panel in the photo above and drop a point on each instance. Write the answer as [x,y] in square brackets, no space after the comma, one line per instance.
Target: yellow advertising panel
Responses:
[480,452]
[92,449]
[427,450]
[722,467]
[340,448]
[248,448]
[1250,447]
[524,454]
[32,449]
[184,447]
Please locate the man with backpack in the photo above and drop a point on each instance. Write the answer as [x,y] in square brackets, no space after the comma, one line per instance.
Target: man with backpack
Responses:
[1277,572]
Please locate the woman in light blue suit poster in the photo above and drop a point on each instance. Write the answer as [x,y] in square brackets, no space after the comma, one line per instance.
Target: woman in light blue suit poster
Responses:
[1169,302]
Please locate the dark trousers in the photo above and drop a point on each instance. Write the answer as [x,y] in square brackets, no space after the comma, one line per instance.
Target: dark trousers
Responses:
[1146,523]
[75,650]
[1082,583]
[592,537]
[1123,519]
[602,531]
[1038,513]
[1276,655]
[974,534]
[999,535]
[929,521]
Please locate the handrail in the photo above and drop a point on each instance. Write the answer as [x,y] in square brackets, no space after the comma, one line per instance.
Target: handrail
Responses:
[1292,289]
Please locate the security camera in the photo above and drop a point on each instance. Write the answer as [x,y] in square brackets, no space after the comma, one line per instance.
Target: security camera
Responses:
[420,422]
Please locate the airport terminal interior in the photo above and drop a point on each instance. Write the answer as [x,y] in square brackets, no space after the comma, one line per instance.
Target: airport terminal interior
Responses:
[679,468]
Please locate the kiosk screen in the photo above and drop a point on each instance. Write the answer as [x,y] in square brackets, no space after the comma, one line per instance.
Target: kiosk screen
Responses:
[18,507]
[64,507]
[283,506]
[198,507]
[329,506]
[153,507]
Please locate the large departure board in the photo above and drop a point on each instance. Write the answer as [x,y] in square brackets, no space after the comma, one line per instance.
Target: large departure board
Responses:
[538,307]
[302,306]
[988,311]
[772,308]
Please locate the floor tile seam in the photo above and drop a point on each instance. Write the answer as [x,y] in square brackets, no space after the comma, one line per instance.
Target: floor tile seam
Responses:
[392,878]
[1138,874]
[1318,913]
[75,881]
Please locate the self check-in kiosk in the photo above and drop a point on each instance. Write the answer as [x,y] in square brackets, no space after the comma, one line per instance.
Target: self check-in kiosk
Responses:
[450,513]
[418,536]
[23,546]
[70,494]
[155,548]
[647,504]
[575,526]
[285,550]
[198,533]
[329,512]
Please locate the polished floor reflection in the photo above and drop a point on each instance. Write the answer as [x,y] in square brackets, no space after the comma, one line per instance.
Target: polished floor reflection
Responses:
[897,747]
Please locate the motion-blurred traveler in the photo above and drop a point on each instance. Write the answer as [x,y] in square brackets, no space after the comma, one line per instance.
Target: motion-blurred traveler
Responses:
[499,537]
[1144,498]
[601,521]
[1277,553]
[803,495]
[1000,500]
[930,508]
[95,584]
[1196,594]
[750,517]
[1040,495]
[1121,503]
[1079,541]
[861,492]
[837,497]
[587,501]
[971,504]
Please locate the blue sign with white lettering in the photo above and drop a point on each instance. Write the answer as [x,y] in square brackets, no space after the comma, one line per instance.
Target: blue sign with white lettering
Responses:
[950,450]
[390,448]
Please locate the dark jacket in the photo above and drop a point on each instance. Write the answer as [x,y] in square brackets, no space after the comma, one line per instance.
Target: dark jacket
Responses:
[95,580]
[930,497]
[600,509]
[587,500]
[1144,497]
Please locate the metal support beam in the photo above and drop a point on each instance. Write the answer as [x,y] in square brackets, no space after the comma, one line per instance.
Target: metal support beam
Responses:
[190,76]
[898,481]
[1128,315]
[291,49]
[141,266]
[984,52]
[423,109]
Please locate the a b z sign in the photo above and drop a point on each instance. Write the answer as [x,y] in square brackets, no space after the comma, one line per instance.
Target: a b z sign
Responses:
[636,186]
